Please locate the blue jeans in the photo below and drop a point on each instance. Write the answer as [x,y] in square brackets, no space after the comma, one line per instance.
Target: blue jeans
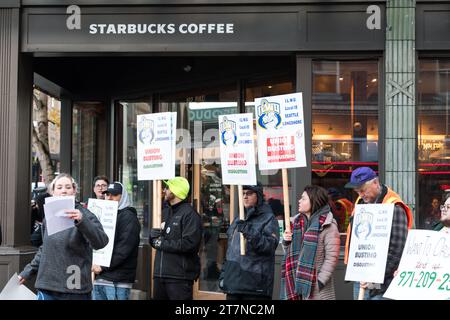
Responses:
[356,287]
[378,297]
[110,293]
[50,295]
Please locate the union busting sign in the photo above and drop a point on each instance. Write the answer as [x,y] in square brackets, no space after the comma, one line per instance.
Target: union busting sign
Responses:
[280,131]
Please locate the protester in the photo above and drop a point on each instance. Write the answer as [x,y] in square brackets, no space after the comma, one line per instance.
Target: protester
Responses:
[444,223]
[311,250]
[365,182]
[433,214]
[341,207]
[63,262]
[250,276]
[37,218]
[115,282]
[177,263]
[99,186]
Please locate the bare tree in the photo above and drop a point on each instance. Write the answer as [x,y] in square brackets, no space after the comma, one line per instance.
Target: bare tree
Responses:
[40,135]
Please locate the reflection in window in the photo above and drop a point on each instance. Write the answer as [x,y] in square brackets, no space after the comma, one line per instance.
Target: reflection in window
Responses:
[138,191]
[344,127]
[88,145]
[46,112]
[433,138]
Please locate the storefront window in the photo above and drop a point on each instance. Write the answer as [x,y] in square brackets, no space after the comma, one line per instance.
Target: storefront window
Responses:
[344,127]
[47,111]
[433,138]
[126,159]
[270,179]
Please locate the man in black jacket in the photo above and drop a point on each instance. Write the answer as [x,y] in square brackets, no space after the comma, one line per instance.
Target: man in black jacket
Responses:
[177,263]
[115,282]
[250,276]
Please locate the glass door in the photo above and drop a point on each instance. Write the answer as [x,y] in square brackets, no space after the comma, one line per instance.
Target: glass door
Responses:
[126,113]
[198,159]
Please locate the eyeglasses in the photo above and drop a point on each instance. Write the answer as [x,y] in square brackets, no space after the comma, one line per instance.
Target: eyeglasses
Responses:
[445,207]
[248,193]
[101,186]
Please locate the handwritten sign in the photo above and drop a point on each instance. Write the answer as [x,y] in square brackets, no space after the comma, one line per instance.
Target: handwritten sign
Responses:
[106,212]
[369,242]
[280,131]
[237,149]
[424,270]
[156,135]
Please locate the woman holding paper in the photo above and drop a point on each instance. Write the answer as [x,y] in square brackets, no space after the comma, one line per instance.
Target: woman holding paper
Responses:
[311,250]
[63,262]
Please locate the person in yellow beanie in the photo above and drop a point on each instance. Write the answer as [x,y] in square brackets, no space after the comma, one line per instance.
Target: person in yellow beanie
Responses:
[177,263]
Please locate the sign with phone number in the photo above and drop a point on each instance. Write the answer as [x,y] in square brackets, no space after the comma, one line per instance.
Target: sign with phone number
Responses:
[424,270]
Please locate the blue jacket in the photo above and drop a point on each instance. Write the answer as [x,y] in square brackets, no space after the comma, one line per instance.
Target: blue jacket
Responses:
[253,273]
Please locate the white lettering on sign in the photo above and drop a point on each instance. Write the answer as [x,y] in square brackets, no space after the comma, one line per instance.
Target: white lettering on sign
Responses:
[162,28]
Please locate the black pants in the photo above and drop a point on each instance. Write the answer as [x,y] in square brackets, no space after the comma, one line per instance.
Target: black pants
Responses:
[247,297]
[172,289]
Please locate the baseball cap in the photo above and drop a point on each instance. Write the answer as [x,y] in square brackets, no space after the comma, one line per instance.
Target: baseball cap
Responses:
[179,186]
[360,176]
[114,189]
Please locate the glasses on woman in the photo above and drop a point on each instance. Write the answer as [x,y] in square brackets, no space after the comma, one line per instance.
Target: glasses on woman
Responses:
[445,207]
[248,193]
[102,186]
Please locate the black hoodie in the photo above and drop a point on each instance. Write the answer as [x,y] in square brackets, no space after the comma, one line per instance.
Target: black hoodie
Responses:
[126,246]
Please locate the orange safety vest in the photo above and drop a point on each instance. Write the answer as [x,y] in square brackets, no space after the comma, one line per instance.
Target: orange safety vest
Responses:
[348,207]
[390,197]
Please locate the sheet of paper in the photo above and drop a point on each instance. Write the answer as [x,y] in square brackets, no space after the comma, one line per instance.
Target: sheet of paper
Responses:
[56,218]
[56,198]
[15,291]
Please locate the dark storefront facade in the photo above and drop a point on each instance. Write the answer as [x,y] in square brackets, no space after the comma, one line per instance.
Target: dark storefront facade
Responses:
[373,95]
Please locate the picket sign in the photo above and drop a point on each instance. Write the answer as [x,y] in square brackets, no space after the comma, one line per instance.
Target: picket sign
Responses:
[281,138]
[237,155]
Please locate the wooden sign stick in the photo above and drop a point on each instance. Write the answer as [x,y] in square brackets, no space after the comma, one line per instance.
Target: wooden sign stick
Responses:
[287,215]
[242,217]
[362,291]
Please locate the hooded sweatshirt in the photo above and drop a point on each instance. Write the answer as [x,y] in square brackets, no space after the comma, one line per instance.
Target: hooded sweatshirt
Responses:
[122,268]
[252,273]
[63,262]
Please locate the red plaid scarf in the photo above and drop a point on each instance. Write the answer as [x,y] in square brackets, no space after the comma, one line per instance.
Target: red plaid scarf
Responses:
[299,273]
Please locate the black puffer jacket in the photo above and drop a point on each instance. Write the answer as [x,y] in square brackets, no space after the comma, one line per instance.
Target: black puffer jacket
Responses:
[253,273]
[126,246]
[177,258]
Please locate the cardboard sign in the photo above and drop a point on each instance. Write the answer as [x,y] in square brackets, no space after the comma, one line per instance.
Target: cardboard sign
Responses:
[424,270]
[156,135]
[369,244]
[106,212]
[237,151]
[280,131]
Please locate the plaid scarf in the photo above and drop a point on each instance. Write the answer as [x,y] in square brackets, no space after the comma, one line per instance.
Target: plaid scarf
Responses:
[299,274]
